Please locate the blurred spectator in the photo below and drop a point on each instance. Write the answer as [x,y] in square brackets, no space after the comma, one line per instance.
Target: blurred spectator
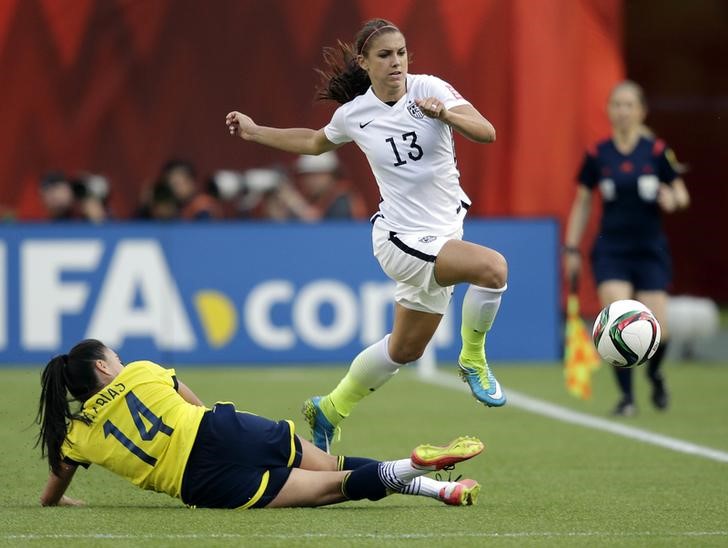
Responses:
[262,193]
[163,205]
[56,193]
[181,177]
[285,203]
[91,195]
[81,198]
[330,196]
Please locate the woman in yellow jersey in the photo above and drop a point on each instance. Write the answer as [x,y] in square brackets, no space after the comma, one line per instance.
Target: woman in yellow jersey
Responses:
[141,422]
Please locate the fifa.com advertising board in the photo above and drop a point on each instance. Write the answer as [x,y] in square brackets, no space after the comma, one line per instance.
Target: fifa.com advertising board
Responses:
[246,293]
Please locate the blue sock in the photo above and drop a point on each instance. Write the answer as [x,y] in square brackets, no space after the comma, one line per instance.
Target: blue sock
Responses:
[352,463]
[624,381]
[364,483]
[653,365]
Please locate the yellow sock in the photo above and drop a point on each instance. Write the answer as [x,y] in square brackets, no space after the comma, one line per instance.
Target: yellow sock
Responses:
[368,372]
[473,350]
[342,399]
[480,305]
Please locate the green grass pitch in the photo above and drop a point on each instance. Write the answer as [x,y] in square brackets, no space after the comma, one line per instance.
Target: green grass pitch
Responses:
[545,482]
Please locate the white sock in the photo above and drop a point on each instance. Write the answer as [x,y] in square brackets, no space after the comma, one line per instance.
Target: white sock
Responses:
[426,487]
[373,367]
[369,371]
[396,474]
[480,307]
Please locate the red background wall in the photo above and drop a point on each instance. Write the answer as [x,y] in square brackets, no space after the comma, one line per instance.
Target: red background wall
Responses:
[119,86]
[678,51]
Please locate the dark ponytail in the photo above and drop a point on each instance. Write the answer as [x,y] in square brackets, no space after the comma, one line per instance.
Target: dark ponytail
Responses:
[343,79]
[72,373]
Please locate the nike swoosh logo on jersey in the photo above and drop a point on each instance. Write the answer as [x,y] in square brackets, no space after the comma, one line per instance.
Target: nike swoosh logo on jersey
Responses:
[362,126]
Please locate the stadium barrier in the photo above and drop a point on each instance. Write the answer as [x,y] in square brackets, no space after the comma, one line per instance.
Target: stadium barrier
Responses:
[246,293]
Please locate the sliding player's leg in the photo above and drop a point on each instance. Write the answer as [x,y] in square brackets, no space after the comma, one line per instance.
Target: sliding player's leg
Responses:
[315,459]
[374,480]
[310,488]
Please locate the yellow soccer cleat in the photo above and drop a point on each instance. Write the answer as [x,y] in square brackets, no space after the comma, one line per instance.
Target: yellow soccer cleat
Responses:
[436,457]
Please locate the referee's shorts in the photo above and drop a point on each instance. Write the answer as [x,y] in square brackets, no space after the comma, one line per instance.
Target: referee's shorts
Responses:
[647,267]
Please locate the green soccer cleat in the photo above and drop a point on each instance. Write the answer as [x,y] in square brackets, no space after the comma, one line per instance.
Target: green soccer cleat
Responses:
[461,493]
[436,457]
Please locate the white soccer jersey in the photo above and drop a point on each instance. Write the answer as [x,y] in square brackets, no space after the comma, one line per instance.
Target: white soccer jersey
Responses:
[412,156]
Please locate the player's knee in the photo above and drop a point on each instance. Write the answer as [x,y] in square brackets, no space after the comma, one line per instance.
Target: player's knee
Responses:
[406,353]
[494,272]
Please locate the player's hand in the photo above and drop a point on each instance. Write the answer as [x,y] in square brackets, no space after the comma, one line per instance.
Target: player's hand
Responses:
[64,501]
[68,501]
[666,198]
[431,107]
[240,125]
[572,264]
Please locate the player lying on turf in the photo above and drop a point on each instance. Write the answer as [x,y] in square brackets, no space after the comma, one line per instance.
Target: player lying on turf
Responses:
[140,422]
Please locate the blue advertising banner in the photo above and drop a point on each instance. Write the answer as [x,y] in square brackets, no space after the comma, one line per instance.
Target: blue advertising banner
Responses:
[244,293]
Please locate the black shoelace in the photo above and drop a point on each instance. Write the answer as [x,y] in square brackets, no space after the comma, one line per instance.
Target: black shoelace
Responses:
[449,470]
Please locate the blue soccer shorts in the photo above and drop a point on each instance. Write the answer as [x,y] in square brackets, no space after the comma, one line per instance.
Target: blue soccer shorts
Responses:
[239,460]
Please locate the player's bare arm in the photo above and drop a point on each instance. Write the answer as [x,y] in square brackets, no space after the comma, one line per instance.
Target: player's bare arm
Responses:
[465,119]
[578,218]
[295,140]
[188,395]
[682,196]
[53,493]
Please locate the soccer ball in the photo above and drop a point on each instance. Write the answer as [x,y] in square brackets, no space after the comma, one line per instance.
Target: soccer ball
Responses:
[626,333]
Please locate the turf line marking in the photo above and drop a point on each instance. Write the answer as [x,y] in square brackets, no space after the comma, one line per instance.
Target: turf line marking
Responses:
[383,536]
[563,414]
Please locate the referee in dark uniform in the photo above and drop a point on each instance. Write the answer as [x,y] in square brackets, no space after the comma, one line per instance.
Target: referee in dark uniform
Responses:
[638,179]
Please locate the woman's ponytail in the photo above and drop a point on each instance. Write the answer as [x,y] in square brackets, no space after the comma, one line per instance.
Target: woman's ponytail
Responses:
[73,373]
[343,79]
[54,412]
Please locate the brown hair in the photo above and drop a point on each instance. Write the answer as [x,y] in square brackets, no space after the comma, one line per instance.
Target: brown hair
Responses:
[342,78]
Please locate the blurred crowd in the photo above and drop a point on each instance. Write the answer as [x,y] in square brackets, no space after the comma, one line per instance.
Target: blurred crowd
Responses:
[313,189]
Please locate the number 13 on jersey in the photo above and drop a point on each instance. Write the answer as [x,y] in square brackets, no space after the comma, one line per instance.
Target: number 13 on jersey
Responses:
[409,138]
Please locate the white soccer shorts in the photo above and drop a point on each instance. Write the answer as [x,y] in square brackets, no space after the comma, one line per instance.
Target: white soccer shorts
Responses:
[409,260]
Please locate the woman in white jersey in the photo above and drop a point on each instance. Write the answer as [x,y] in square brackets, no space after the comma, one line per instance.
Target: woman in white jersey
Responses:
[403,123]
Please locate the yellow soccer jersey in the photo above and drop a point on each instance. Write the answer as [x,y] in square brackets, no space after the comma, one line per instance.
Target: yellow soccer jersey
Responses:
[140,428]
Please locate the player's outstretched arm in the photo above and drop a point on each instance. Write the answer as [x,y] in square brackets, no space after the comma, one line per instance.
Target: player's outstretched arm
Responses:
[53,494]
[295,140]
